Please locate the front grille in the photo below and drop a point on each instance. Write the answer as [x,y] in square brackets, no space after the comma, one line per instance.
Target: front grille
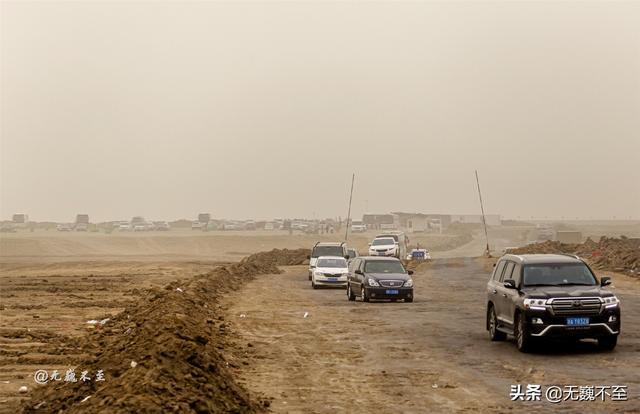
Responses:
[576,306]
[391,283]
[333,274]
[381,250]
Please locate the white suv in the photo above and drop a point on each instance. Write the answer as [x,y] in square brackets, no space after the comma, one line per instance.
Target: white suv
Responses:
[383,246]
[329,271]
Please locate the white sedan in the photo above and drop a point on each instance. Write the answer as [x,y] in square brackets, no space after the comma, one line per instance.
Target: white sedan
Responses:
[329,271]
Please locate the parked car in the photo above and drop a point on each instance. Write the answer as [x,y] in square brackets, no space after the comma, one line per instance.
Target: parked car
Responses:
[140,227]
[63,227]
[329,271]
[7,228]
[352,253]
[325,249]
[81,227]
[384,246]
[358,227]
[539,296]
[124,226]
[379,278]
[162,226]
[196,225]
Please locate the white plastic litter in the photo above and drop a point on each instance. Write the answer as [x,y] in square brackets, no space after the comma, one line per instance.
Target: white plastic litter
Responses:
[306,314]
[434,386]
[179,290]
[85,398]
[95,322]
[133,364]
[23,389]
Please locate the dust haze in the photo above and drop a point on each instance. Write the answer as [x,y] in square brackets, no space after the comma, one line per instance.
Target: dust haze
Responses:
[265,110]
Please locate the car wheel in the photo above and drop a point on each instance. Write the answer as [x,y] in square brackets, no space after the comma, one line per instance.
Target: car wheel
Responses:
[523,338]
[492,323]
[313,284]
[608,343]
[350,294]
[363,294]
[408,300]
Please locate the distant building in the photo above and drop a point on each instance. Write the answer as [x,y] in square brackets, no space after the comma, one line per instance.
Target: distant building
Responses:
[380,221]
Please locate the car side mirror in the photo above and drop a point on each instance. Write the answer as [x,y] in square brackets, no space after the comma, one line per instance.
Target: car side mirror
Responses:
[369,244]
[410,272]
[347,257]
[605,281]
[509,284]
[358,272]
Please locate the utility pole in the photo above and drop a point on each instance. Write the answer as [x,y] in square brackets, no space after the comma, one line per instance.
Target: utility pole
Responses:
[487,252]
[346,233]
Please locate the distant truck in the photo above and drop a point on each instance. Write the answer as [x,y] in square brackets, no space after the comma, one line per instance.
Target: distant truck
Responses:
[358,227]
[81,223]
[202,221]
[572,237]
[20,220]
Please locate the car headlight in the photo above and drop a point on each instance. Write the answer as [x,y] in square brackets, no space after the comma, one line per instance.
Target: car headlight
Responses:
[535,304]
[318,274]
[408,283]
[611,302]
[372,282]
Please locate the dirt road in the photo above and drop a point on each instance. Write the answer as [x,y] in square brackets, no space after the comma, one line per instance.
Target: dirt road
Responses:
[432,355]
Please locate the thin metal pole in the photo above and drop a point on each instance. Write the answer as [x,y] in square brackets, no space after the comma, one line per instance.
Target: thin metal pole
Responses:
[346,233]
[484,221]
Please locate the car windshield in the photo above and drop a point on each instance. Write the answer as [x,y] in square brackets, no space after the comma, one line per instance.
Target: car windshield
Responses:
[327,251]
[383,242]
[332,262]
[384,266]
[558,275]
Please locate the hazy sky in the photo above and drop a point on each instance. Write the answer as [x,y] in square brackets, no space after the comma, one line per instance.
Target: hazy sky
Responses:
[264,110]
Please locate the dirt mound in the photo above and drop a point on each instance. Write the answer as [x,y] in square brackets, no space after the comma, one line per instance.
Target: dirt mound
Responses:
[618,254]
[163,354]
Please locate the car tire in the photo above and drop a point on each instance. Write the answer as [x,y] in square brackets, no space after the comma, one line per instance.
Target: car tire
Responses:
[350,295]
[363,294]
[313,284]
[523,337]
[492,325]
[408,300]
[608,343]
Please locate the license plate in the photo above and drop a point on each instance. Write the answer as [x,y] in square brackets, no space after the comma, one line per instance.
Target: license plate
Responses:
[332,279]
[577,321]
[392,291]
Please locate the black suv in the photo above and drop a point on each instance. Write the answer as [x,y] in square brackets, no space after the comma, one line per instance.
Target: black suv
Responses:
[379,278]
[535,296]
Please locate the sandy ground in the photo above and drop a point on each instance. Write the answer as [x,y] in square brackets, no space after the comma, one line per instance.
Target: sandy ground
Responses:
[51,246]
[380,357]
[42,304]
[432,355]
